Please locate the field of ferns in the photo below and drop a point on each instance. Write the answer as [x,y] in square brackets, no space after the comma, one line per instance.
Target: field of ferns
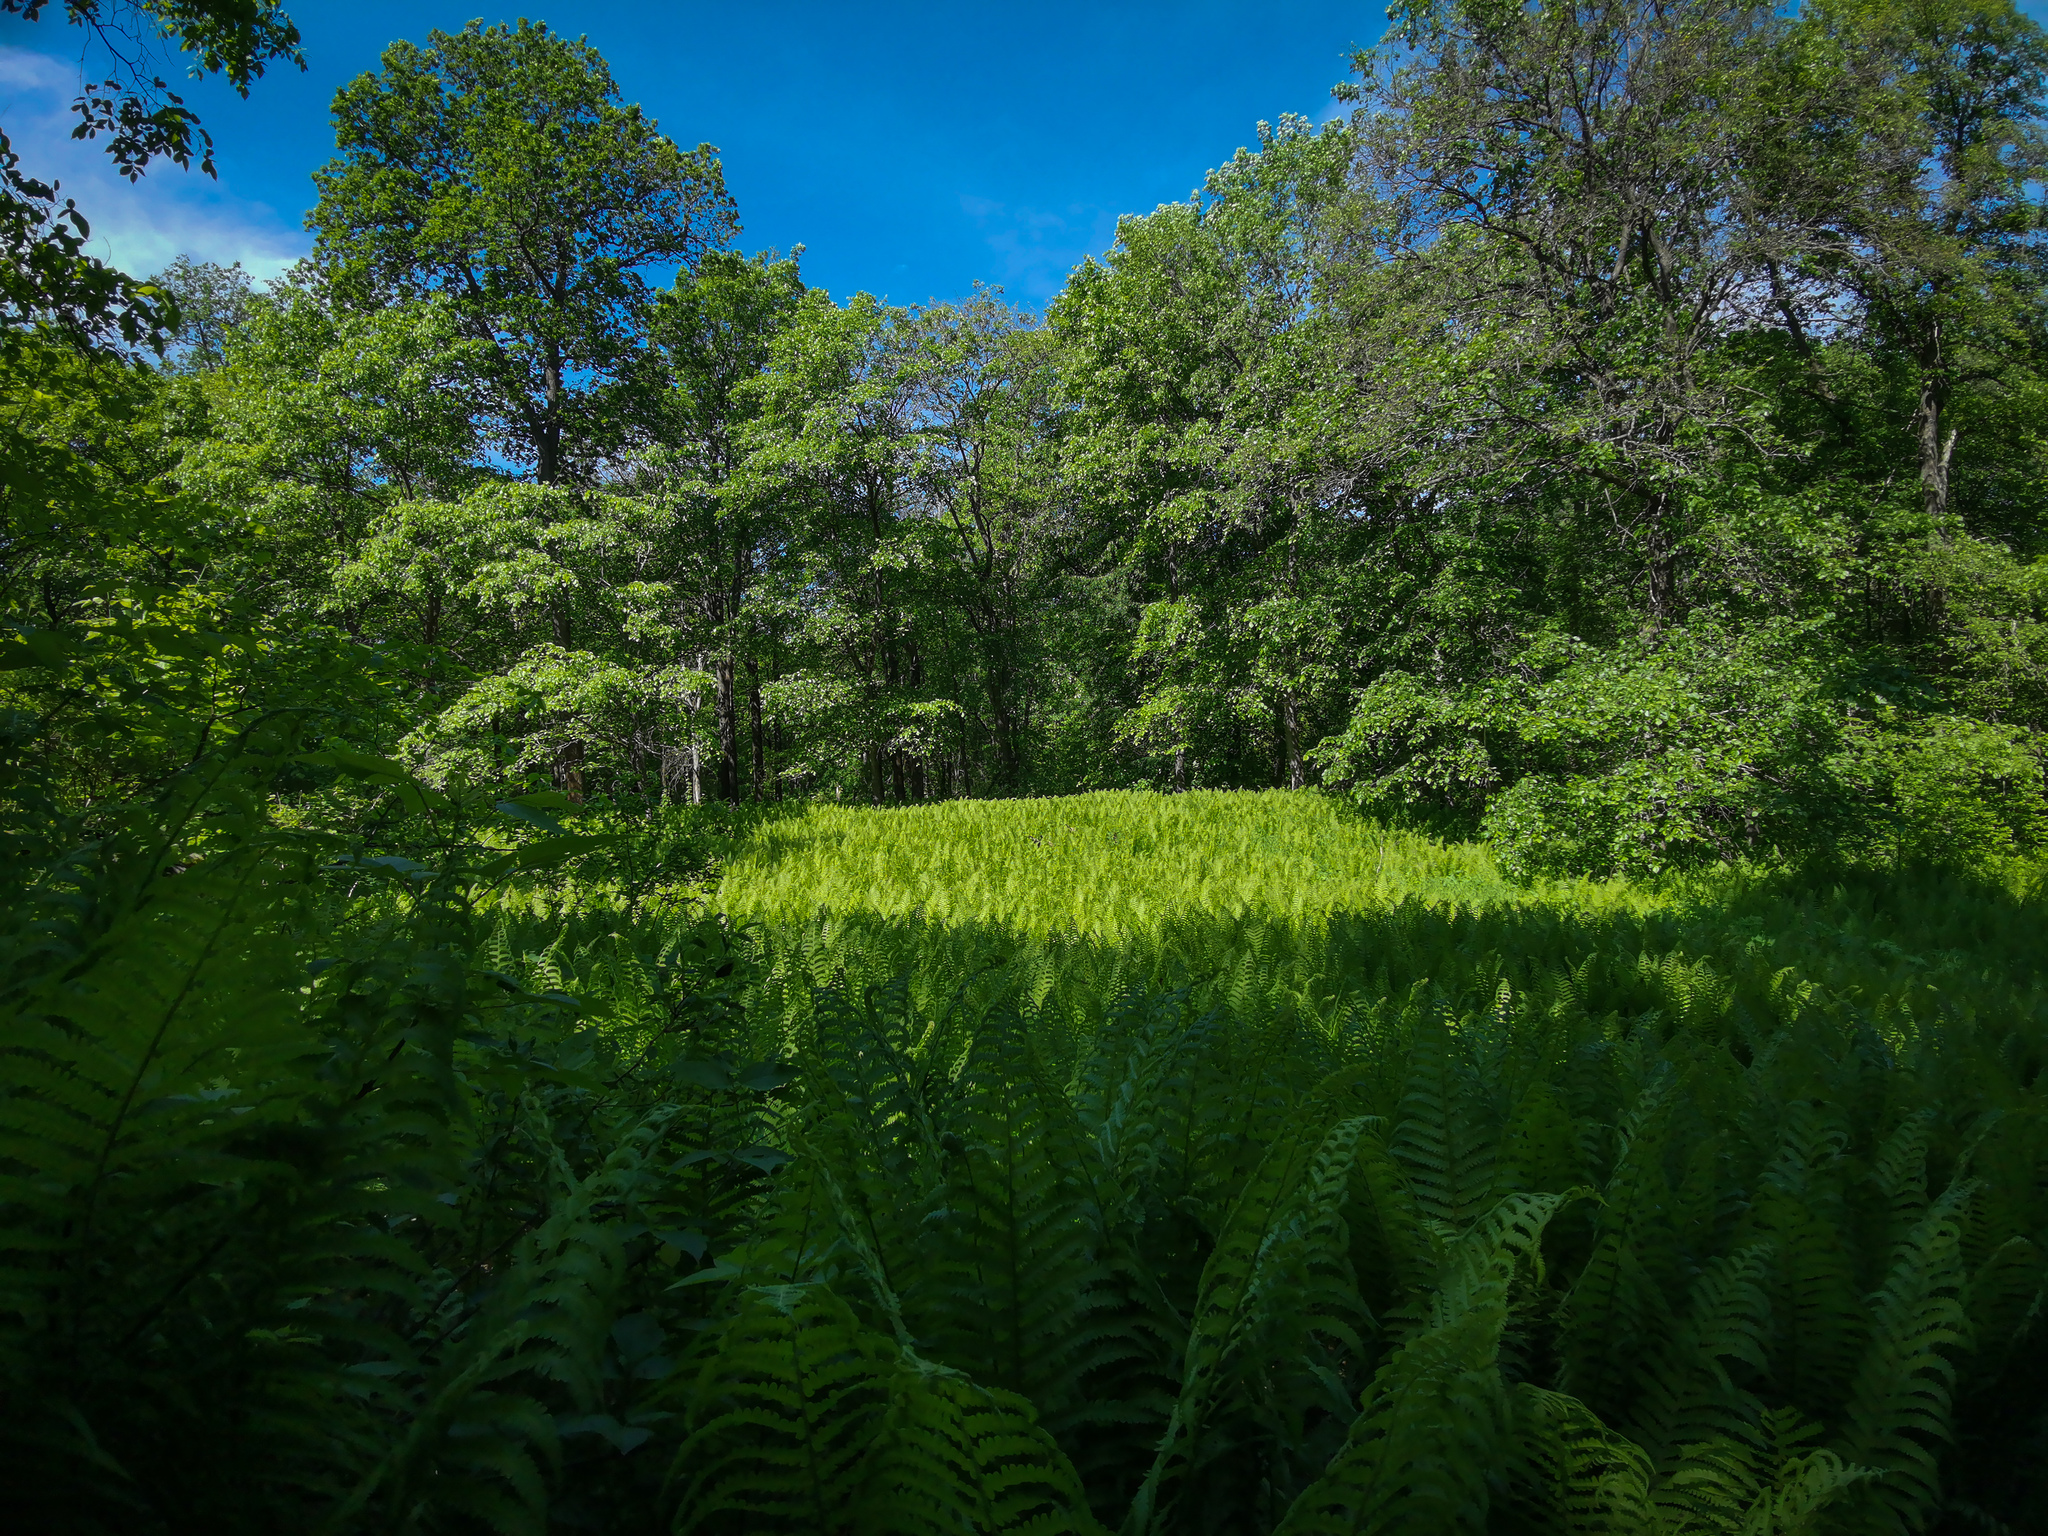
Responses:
[1216,1163]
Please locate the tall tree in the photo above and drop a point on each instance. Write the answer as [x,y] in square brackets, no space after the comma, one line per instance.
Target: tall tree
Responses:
[1575,209]
[984,485]
[498,168]
[717,327]
[1202,361]
[1939,160]
[212,302]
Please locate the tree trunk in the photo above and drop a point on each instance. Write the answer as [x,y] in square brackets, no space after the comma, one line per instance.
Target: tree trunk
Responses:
[1005,732]
[1287,740]
[728,731]
[1661,594]
[760,743]
[569,771]
[1935,447]
[547,444]
[432,639]
[568,760]
[1297,769]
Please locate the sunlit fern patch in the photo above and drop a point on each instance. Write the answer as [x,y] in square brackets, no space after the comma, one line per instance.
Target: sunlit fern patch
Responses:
[1707,1209]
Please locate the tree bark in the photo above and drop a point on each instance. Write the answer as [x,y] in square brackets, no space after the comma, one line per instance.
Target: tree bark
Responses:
[569,771]
[569,759]
[760,744]
[1934,446]
[728,731]
[1003,731]
[1661,595]
[1287,739]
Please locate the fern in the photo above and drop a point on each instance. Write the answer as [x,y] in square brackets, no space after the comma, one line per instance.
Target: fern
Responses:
[1898,1410]
[1435,1419]
[1821,1320]
[1291,1200]
[1441,1138]
[1686,1395]
[959,1458]
[1014,1291]
[1219,1220]
[1569,1472]
[1616,1306]
[1772,1484]
[783,1417]
[1900,1173]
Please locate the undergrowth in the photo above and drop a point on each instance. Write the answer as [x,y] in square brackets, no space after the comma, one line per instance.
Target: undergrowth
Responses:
[453,1205]
[1110,864]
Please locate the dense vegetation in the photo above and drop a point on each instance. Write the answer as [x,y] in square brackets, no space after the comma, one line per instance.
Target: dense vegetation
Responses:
[1714,1209]
[592,936]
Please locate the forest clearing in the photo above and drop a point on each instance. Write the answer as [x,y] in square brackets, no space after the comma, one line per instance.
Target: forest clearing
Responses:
[1385,873]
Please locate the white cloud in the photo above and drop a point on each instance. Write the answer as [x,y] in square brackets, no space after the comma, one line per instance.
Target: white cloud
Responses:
[137,227]
[1035,250]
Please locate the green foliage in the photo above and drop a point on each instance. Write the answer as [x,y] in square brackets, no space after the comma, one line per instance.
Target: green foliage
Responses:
[1692,748]
[812,1424]
[1554,1211]
[325,1199]
[1620,440]
[1099,865]
[1613,1214]
[448,152]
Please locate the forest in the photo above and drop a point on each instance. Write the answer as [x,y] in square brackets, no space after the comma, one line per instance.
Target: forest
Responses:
[1388,873]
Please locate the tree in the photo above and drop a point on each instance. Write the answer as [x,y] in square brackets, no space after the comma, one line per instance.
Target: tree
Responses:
[211,302]
[1648,284]
[1202,361]
[832,444]
[905,449]
[497,169]
[984,485]
[137,113]
[1582,239]
[322,425]
[716,328]
[1942,231]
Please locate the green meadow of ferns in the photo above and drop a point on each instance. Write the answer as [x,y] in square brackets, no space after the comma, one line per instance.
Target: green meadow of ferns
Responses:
[1107,864]
[1217,1164]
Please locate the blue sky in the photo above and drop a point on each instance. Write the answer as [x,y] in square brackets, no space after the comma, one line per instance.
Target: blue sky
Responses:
[912,149]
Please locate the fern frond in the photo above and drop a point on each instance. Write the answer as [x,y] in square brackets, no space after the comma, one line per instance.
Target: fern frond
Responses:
[1900,1172]
[1898,1409]
[1229,1279]
[1421,1453]
[1684,1392]
[957,1458]
[1441,1137]
[783,1418]
[1014,1274]
[1769,1484]
[1571,1473]
[1616,1308]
